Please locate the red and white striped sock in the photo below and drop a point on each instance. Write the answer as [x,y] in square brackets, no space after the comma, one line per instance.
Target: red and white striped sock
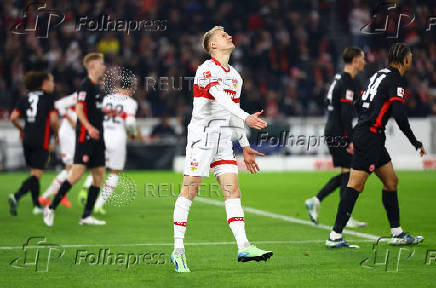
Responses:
[235,218]
[108,188]
[56,184]
[181,211]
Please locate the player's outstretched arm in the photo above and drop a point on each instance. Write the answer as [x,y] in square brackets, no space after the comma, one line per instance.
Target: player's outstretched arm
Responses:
[93,132]
[250,159]
[223,99]
[403,123]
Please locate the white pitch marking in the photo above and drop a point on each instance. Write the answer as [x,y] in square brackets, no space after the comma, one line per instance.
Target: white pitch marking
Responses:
[171,244]
[288,219]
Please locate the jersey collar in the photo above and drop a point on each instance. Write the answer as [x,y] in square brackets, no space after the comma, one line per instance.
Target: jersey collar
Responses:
[219,64]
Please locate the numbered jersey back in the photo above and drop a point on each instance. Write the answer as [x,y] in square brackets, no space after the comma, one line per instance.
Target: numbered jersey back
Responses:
[384,86]
[35,109]
[117,108]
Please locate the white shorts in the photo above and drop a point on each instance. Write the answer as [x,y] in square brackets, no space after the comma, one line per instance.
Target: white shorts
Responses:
[115,151]
[67,142]
[204,151]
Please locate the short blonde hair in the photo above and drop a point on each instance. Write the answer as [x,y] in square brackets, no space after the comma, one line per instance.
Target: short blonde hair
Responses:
[91,57]
[208,35]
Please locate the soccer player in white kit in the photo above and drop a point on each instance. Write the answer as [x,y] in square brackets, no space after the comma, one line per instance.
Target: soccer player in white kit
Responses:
[67,140]
[119,122]
[216,115]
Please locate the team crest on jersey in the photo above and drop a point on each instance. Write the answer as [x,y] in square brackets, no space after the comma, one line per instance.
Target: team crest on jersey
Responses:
[82,96]
[85,159]
[207,74]
[235,83]
[400,92]
[194,164]
[349,95]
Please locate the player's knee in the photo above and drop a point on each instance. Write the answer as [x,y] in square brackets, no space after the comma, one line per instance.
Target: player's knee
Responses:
[392,183]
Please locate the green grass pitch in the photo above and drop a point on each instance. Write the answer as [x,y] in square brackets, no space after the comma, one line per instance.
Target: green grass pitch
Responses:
[300,258]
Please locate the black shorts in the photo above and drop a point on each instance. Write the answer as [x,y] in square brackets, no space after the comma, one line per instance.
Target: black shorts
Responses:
[369,150]
[36,157]
[91,153]
[338,149]
[340,157]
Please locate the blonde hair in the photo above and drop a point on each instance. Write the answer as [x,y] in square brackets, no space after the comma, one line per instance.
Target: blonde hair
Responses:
[91,57]
[208,35]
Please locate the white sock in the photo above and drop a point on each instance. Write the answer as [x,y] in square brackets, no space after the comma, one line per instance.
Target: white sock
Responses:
[88,181]
[316,200]
[56,184]
[396,231]
[235,218]
[335,236]
[181,211]
[108,188]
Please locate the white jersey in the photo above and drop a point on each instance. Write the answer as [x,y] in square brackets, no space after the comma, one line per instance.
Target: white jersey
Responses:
[115,128]
[67,106]
[206,111]
[67,134]
[125,117]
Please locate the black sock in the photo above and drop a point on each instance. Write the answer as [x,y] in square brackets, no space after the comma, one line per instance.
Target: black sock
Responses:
[331,186]
[65,187]
[344,182]
[345,208]
[92,197]
[25,187]
[390,201]
[34,189]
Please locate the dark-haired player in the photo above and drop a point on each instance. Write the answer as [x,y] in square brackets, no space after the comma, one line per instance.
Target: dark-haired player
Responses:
[90,147]
[339,130]
[383,98]
[38,111]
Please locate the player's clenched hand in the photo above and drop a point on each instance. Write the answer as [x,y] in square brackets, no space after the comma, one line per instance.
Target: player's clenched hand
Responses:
[250,159]
[422,151]
[93,132]
[255,122]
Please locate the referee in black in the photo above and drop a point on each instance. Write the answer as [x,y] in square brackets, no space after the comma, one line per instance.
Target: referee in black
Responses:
[90,147]
[383,98]
[339,129]
[38,111]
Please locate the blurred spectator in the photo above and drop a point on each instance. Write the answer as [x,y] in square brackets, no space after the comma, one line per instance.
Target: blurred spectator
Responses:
[287,51]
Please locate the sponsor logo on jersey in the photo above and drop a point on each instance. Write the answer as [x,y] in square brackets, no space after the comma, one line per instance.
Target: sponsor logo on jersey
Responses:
[82,96]
[207,74]
[349,95]
[400,92]
[194,164]
[235,83]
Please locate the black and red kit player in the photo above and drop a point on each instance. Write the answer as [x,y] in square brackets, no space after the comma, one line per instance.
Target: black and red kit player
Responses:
[90,147]
[383,98]
[37,110]
[339,130]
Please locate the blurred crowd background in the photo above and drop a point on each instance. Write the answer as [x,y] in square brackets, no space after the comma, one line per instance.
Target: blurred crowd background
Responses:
[287,51]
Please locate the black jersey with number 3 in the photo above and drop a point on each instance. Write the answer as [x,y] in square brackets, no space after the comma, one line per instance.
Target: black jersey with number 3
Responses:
[35,108]
[91,96]
[385,86]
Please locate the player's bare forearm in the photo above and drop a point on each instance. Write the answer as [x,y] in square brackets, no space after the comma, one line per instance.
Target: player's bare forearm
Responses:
[15,120]
[71,121]
[81,115]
